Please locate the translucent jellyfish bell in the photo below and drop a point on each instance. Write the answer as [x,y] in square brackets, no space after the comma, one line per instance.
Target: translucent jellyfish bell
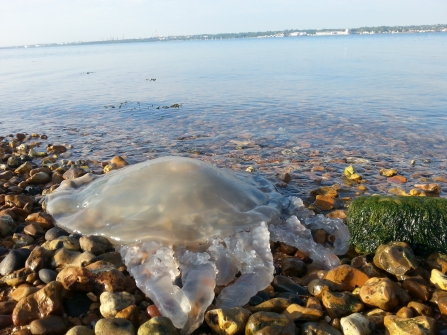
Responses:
[175,200]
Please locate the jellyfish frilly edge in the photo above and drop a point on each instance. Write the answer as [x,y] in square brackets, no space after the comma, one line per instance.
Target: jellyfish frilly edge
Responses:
[175,216]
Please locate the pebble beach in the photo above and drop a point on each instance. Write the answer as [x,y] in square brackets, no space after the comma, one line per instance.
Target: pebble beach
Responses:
[54,282]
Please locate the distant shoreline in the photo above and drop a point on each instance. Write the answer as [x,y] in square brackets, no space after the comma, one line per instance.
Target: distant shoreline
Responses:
[414,29]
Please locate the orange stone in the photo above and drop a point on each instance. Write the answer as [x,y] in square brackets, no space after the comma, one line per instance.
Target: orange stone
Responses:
[324,202]
[397,179]
[346,278]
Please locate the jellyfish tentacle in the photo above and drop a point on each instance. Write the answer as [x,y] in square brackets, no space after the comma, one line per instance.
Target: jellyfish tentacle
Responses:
[154,274]
[199,281]
[251,250]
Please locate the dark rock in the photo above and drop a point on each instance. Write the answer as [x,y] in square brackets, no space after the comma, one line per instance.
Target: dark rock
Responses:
[13,162]
[264,295]
[5,321]
[293,297]
[292,267]
[54,233]
[49,325]
[32,190]
[255,300]
[47,275]
[78,305]
[15,260]
[6,307]
[284,284]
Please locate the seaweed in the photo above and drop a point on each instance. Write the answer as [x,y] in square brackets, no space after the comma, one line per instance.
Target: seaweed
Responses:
[419,221]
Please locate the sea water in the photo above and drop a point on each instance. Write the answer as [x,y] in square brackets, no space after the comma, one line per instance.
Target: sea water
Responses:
[309,106]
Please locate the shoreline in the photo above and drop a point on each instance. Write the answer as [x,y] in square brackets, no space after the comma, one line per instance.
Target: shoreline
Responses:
[29,228]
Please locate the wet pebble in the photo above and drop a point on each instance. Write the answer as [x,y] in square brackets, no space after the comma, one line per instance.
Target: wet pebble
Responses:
[285,284]
[47,275]
[49,325]
[55,233]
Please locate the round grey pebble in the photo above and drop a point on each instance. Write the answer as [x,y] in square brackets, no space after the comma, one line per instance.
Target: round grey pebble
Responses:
[47,275]
[54,233]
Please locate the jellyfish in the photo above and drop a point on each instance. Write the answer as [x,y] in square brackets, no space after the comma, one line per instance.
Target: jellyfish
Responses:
[183,226]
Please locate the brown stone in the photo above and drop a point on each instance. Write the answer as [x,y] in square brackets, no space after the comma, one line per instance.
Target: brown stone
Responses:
[57,149]
[296,312]
[19,277]
[76,278]
[420,309]
[379,292]
[130,313]
[429,188]
[6,307]
[346,278]
[292,267]
[74,172]
[397,179]
[376,316]
[153,311]
[396,258]
[337,214]
[119,162]
[324,202]
[23,291]
[442,305]
[45,220]
[405,312]
[437,261]
[39,178]
[46,301]
[326,191]
[48,325]
[420,325]
[34,230]
[18,200]
[417,289]
[339,304]
[38,259]
[287,249]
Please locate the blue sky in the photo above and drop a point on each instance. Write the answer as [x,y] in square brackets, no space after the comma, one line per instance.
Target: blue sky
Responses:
[45,21]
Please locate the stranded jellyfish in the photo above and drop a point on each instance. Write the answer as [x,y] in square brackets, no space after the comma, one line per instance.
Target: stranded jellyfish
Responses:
[175,216]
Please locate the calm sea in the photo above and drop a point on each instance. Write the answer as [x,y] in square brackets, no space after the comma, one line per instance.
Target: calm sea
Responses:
[305,105]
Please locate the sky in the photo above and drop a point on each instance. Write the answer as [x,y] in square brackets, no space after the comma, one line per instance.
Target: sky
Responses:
[24,22]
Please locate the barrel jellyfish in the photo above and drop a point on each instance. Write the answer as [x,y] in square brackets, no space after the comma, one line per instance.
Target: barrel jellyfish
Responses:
[183,226]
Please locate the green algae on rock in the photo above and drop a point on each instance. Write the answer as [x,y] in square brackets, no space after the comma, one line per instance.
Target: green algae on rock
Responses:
[419,221]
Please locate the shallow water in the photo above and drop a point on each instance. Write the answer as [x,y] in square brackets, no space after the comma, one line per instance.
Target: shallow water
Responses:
[286,104]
